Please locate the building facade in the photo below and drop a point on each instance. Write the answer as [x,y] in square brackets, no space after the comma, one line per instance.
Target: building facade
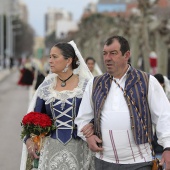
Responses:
[23,11]
[8,10]
[52,17]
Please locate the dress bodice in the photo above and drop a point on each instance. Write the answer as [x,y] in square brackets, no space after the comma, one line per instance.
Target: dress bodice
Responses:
[61,106]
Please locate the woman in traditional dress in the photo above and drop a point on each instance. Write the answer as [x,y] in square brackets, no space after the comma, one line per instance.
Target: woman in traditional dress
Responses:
[26,74]
[59,96]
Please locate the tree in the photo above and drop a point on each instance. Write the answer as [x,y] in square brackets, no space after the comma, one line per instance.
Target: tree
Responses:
[24,39]
[50,40]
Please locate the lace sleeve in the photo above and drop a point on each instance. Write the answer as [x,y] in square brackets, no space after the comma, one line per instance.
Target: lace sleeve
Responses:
[41,92]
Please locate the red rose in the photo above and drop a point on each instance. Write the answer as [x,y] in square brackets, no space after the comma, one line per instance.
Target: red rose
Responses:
[35,122]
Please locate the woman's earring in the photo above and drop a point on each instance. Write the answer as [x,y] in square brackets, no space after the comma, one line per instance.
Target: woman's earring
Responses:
[78,62]
[66,68]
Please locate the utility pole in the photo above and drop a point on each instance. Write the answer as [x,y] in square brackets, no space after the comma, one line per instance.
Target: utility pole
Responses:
[1,39]
[15,31]
[9,36]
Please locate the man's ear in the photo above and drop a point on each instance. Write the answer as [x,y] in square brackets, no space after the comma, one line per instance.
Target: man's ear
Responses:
[127,55]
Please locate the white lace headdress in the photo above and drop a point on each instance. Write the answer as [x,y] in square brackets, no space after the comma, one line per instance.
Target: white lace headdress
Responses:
[82,70]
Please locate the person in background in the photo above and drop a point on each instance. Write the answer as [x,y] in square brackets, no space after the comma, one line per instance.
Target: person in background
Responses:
[90,61]
[158,149]
[123,104]
[165,83]
[40,73]
[160,79]
[167,87]
[93,66]
[26,73]
[11,64]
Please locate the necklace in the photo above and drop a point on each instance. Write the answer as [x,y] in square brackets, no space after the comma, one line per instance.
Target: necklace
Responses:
[63,82]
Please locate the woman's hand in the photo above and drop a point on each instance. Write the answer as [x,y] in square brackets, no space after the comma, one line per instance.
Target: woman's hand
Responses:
[32,148]
[88,130]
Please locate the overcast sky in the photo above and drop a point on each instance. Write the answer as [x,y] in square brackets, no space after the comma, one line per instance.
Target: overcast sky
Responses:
[37,9]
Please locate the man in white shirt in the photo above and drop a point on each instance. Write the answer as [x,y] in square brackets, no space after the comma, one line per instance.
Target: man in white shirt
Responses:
[124,102]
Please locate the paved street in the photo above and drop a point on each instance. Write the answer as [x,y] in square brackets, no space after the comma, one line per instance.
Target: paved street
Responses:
[13,105]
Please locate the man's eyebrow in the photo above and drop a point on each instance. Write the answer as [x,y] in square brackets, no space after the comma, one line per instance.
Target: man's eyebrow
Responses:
[111,51]
[55,54]
[114,51]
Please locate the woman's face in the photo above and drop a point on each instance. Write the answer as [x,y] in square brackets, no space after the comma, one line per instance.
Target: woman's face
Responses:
[57,61]
[90,63]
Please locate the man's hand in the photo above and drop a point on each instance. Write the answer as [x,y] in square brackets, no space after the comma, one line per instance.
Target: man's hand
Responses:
[32,148]
[165,159]
[92,142]
[88,130]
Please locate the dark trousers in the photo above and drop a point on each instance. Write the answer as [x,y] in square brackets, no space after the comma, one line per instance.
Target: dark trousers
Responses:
[103,165]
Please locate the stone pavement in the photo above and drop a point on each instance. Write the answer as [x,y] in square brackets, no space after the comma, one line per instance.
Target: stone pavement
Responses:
[13,106]
[5,72]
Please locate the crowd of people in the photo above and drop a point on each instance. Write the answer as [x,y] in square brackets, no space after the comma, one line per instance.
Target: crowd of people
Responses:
[32,72]
[103,121]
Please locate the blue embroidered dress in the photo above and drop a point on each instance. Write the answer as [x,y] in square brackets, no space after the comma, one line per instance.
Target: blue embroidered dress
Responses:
[64,115]
[63,149]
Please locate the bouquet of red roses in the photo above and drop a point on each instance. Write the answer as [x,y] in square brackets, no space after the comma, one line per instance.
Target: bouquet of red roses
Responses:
[37,126]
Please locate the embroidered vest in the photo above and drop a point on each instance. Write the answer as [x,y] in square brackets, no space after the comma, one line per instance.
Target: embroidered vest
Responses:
[136,87]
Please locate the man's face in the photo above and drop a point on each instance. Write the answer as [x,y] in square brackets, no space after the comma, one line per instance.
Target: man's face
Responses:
[90,63]
[115,62]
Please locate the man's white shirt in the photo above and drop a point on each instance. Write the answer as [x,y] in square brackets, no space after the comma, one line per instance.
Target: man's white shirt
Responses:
[118,141]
